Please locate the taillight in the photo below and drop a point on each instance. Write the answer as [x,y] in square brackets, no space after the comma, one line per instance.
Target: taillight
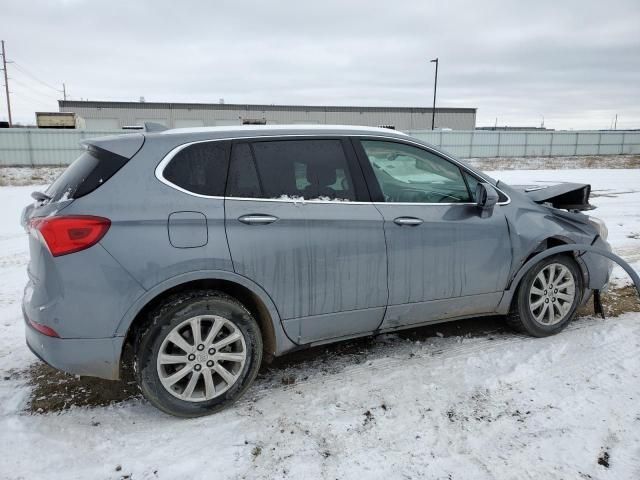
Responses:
[64,235]
[43,329]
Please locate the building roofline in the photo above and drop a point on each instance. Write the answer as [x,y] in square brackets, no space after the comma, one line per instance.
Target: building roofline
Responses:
[253,107]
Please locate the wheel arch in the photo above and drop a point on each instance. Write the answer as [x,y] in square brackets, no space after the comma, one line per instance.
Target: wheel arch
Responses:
[546,244]
[504,305]
[542,245]
[251,295]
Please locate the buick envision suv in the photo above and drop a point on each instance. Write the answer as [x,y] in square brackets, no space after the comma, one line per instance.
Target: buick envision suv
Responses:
[204,250]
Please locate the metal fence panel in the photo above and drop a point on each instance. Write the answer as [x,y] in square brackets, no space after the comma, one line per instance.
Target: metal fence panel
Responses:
[32,147]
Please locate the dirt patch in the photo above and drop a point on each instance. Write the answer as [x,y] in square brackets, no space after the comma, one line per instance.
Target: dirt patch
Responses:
[604,459]
[556,163]
[54,391]
[18,176]
[615,302]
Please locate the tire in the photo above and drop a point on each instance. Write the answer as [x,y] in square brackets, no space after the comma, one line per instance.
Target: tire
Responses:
[528,312]
[188,379]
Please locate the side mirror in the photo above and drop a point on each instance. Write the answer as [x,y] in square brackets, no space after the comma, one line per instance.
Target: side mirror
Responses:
[486,199]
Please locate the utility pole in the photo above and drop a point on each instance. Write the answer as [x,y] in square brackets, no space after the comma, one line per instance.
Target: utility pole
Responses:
[64,91]
[435,89]
[615,125]
[6,83]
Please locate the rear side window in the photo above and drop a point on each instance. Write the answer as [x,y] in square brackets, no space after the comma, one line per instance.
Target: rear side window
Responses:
[90,170]
[243,178]
[311,169]
[199,168]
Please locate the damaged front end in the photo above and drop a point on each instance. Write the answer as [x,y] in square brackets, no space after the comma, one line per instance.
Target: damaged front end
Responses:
[566,196]
[594,250]
[566,223]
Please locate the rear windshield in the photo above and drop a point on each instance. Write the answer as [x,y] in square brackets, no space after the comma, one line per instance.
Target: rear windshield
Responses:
[90,170]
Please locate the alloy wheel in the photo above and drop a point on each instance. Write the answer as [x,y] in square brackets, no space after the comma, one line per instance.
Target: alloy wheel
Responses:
[552,294]
[201,358]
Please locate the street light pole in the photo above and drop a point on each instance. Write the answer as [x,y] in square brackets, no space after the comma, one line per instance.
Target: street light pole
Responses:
[435,89]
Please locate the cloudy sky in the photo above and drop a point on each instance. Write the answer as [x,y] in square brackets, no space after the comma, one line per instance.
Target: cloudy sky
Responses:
[577,63]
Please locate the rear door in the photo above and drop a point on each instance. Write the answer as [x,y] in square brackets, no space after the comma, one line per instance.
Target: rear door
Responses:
[444,260]
[300,224]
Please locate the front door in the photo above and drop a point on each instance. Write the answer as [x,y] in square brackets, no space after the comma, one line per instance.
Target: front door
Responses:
[444,260]
[300,224]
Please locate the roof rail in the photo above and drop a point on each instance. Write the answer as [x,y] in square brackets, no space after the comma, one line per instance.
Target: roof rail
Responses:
[154,127]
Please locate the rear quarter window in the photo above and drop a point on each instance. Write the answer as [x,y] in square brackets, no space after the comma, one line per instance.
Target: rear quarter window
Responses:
[88,172]
[199,168]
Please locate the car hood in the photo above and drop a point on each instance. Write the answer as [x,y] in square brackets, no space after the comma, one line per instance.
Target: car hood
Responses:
[569,196]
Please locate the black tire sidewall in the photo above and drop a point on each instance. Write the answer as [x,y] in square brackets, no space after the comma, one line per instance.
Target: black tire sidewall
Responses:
[526,317]
[175,312]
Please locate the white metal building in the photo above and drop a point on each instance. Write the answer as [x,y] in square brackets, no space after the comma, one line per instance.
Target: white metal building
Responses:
[115,115]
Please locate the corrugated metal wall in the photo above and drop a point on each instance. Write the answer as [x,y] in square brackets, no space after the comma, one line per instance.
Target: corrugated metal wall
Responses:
[481,143]
[101,115]
[32,146]
[26,147]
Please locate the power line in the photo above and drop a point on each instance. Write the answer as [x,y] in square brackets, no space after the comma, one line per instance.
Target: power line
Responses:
[32,90]
[26,72]
[32,99]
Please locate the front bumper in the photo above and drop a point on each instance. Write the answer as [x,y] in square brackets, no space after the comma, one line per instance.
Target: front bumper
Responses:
[598,266]
[93,357]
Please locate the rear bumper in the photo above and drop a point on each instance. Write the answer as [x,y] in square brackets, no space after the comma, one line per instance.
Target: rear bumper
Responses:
[93,357]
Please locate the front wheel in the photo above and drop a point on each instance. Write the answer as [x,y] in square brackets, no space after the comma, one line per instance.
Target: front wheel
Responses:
[547,297]
[199,354]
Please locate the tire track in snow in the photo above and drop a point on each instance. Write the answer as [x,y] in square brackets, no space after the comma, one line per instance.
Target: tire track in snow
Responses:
[449,355]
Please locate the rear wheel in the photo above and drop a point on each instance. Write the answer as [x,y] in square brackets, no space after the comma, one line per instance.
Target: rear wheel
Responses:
[547,297]
[199,354]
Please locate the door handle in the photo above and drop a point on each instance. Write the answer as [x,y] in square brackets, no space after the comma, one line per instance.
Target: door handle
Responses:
[409,221]
[257,219]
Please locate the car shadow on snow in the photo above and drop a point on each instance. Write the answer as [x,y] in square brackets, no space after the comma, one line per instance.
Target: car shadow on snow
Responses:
[55,391]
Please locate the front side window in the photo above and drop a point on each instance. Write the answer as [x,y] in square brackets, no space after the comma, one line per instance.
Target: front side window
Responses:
[199,168]
[309,169]
[412,175]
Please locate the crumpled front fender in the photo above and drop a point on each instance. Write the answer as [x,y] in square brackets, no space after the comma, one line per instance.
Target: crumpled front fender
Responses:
[508,295]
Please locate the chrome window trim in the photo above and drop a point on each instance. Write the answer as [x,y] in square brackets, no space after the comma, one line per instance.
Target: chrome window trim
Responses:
[159,170]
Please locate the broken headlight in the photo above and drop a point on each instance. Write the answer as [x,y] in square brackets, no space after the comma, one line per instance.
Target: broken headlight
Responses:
[600,227]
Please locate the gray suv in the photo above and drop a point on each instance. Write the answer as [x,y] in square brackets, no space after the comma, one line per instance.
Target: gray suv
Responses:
[202,251]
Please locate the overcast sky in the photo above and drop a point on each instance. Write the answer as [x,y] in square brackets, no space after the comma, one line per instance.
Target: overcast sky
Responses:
[575,63]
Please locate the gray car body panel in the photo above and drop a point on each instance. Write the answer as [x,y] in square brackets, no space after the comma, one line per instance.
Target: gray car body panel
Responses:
[323,270]
[453,254]
[316,259]
[124,145]
[283,343]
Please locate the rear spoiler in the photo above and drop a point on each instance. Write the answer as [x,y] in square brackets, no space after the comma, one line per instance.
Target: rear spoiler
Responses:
[154,127]
[125,145]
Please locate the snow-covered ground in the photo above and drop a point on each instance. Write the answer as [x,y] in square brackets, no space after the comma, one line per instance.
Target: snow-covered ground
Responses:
[479,405]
